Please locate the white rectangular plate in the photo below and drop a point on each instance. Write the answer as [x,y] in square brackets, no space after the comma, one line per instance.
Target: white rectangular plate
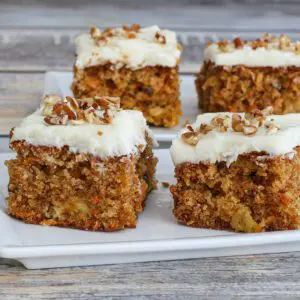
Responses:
[157,237]
[59,83]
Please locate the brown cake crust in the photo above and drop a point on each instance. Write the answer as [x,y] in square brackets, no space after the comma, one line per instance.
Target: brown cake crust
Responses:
[244,89]
[254,194]
[52,186]
[152,90]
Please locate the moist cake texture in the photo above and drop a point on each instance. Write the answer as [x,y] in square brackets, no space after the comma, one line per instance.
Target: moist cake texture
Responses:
[81,163]
[238,172]
[139,65]
[241,76]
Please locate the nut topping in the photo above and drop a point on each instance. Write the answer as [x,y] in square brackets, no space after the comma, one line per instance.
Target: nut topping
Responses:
[247,125]
[64,111]
[249,130]
[191,137]
[160,38]
[237,123]
[266,41]
[238,43]
[101,37]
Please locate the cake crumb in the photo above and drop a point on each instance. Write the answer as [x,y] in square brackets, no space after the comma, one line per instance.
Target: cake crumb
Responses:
[165,184]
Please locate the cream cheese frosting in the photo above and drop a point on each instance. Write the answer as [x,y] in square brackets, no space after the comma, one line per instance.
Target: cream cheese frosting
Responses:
[149,46]
[268,51]
[227,146]
[260,57]
[122,137]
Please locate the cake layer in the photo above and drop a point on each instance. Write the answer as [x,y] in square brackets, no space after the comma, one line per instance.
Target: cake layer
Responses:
[267,51]
[123,136]
[53,186]
[243,89]
[152,90]
[132,47]
[251,195]
[277,136]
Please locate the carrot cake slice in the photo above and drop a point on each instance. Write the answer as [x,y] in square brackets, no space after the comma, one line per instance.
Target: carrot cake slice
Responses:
[140,65]
[238,172]
[240,76]
[82,163]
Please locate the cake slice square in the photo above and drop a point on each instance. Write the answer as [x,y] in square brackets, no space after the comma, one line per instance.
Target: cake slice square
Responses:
[84,164]
[238,172]
[241,76]
[139,65]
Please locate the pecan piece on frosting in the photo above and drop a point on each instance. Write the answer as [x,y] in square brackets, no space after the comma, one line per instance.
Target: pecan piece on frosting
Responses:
[237,123]
[191,138]
[160,38]
[249,130]
[95,32]
[61,120]
[238,43]
[63,111]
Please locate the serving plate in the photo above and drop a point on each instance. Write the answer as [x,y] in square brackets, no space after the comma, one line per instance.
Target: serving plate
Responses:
[157,237]
[59,83]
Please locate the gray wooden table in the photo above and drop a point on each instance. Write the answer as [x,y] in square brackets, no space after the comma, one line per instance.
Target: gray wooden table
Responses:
[38,36]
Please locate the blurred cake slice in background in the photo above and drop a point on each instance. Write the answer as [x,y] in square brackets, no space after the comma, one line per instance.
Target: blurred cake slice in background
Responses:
[241,76]
[139,65]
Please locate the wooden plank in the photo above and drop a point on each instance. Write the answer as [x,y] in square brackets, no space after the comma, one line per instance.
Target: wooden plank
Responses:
[175,14]
[4,148]
[20,94]
[273,276]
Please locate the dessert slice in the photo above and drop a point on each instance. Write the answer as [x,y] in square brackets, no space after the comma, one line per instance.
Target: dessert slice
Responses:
[81,163]
[140,65]
[240,76]
[238,172]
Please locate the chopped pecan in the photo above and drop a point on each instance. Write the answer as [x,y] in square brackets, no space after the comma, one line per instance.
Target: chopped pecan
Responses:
[97,110]
[73,102]
[221,123]
[297,47]
[223,46]
[160,37]
[133,27]
[61,120]
[249,130]
[95,32]
[284,43]
[205,128]
[191,138]
[237,123]
[238,43]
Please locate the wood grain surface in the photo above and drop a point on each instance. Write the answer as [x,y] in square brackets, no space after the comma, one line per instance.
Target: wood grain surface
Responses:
[273,276]
[37,36]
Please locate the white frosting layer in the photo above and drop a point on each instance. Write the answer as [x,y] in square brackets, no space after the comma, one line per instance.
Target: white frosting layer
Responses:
[260,57]
[119,138]
[216,146]
[144,50]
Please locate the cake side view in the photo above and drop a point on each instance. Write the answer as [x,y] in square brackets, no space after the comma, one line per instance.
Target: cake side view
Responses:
[139,65]
[83,163]
[241,76]
[238,172]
